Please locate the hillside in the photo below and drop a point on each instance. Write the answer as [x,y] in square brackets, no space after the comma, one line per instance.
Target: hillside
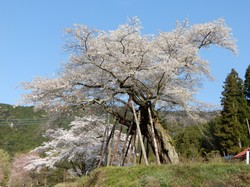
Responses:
[181,117]
[233,174]
[18,112]
[21,128]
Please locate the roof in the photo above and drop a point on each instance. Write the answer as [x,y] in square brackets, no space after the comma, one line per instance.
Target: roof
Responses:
[242,154]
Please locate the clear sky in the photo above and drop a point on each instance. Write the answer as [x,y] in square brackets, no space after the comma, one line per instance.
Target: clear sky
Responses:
[32,34]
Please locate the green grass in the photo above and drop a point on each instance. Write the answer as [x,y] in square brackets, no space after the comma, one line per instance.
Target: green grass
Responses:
[172,175]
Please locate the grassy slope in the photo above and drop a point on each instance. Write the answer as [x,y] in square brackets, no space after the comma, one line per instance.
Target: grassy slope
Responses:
[172,175]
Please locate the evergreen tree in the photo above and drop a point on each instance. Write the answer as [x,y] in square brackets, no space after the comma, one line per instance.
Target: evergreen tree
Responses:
[232,132]
[247,95]
[247,85]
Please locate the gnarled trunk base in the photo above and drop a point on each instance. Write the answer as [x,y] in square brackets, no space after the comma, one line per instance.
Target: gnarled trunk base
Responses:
[165,147]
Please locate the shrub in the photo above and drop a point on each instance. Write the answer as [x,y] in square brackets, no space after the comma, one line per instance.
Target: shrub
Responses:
[4,166]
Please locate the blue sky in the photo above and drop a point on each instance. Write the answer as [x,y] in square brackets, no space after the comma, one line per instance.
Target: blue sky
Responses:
[32,34]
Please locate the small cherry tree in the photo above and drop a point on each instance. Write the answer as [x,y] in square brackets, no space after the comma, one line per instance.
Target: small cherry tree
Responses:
[81,146]
[153,71]
[19,176]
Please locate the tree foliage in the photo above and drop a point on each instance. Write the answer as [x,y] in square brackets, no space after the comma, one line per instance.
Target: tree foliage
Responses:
[107,68]
[80,146]
[197,141]
[188,142]
[4,166]
[247,85]
[231,131]
[18,175]
[164,69]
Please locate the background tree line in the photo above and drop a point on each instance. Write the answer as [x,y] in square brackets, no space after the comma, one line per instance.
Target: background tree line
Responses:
[228,132]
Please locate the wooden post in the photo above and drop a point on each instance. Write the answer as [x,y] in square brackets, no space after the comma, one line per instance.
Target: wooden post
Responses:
[135,146]
[248,127]
[130,150]
[139,133]
[247,157]
[104,141]
[106,146]
[143,139]
[124,145]
[147,148]
[109,153]
[110,147]
[126,153]
[117,145]
[154,139]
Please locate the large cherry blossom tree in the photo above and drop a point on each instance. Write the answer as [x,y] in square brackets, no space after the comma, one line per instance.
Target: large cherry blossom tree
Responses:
[110,68]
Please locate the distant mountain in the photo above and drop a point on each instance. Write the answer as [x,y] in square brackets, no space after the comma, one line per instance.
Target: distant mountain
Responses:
[176,121]
[182,118]
[18,112]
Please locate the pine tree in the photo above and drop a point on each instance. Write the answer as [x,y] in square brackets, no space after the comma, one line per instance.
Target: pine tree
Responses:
[247,85]
[247,96]
[231,132]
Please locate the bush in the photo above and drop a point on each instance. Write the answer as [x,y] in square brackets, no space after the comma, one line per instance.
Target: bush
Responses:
[4,167]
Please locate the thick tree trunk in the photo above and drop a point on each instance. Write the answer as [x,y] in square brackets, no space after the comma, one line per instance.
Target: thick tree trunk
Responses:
[165,147]
[160,136]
